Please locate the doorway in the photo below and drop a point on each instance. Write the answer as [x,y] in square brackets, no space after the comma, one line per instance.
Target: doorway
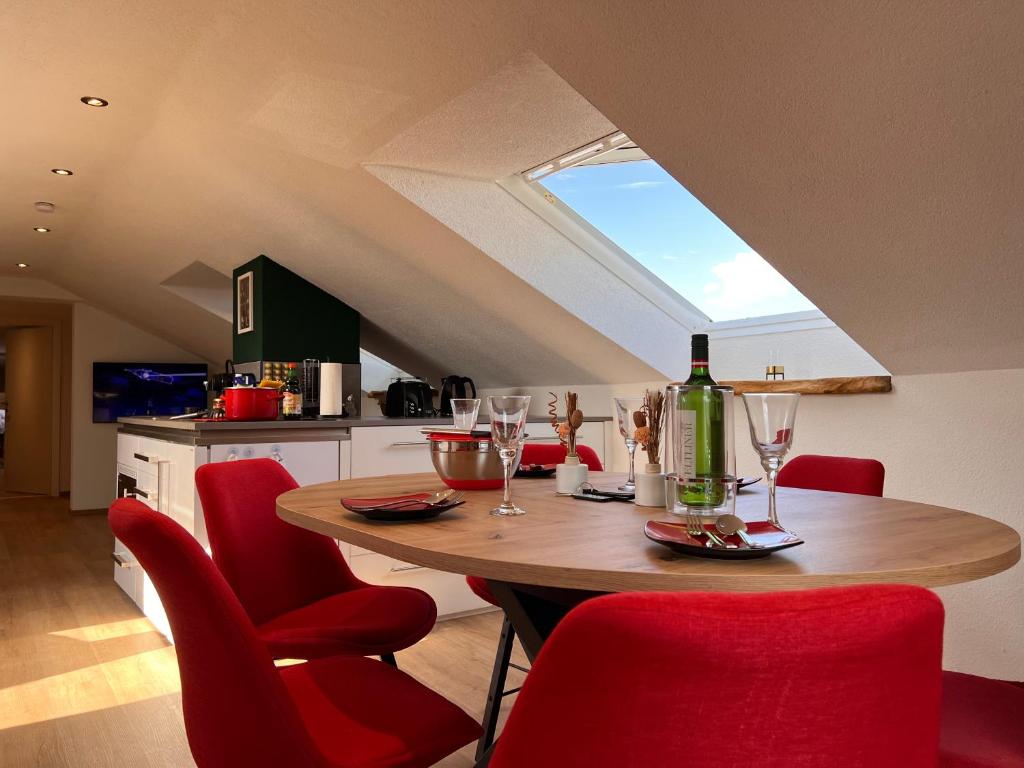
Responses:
[35,396]
[30,438]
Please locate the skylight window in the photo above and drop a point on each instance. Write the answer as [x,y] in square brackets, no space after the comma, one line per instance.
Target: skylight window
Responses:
[633,202]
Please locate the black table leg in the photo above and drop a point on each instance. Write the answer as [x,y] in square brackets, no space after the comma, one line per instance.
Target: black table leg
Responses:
[534,613]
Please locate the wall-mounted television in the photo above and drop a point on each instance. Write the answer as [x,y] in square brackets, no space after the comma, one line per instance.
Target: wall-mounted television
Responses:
[147,389]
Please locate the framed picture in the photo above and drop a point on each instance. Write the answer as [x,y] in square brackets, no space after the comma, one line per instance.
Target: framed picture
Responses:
[245,303]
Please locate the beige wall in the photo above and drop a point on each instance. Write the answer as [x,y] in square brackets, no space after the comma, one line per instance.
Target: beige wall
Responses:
[955,440]
[102,337]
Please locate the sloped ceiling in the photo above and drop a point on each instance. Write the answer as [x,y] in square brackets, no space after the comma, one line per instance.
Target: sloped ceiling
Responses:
[871,153]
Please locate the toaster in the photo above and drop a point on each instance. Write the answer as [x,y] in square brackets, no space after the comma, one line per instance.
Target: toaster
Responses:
[409,398]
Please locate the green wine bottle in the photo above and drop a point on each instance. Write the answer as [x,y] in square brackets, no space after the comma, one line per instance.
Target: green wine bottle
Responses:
[702,428]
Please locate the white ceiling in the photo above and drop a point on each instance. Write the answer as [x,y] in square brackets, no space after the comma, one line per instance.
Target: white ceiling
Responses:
[873,155]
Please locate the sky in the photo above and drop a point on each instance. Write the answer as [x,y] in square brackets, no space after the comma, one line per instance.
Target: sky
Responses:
[653,218]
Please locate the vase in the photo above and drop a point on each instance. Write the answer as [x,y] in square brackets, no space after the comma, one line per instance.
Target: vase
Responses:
[650,487]
[570,475]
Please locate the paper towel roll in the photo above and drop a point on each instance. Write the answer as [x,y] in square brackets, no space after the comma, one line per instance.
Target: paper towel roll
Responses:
[331,403]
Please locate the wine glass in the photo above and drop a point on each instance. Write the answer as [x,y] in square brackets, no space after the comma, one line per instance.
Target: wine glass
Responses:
[508,419]
[625,408]
[772,418]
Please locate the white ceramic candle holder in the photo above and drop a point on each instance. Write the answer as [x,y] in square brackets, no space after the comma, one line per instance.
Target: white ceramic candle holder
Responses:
[570,475]
[650,487]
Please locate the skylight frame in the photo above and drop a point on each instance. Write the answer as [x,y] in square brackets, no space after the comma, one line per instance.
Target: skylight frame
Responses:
[613,148]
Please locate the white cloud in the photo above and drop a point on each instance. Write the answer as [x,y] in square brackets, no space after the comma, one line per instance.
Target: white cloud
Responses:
[748,286]
[639,184]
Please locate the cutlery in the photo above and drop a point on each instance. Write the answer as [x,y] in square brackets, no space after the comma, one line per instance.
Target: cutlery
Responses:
[727,525]
[696,528]
[433,500]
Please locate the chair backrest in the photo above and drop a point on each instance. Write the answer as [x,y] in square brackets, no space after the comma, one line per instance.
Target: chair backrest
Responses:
[272,566]
[237,711]
[841,474]
[845,677]
[554,453]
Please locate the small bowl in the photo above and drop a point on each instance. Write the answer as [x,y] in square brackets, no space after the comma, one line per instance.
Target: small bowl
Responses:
[468,463]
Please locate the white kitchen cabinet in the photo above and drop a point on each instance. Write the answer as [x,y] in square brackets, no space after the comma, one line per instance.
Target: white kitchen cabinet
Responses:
[164,475]
[315,461]
[398,450]
[403,450]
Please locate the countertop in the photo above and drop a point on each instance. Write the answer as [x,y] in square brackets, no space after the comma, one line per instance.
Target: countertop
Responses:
[188,425]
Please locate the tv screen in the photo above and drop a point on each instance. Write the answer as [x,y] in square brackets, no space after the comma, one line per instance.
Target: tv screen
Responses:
[146,389]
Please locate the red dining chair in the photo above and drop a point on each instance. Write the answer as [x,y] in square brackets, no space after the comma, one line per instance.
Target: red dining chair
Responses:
[554,453]
[295,584]
[533,453]
[344,712]
[981,722]
[846,677]
[834,473]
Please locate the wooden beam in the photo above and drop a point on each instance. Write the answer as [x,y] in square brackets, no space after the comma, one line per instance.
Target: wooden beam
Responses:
[845,385]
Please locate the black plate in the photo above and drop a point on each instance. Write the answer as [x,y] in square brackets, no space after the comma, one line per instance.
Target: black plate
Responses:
[390,515]
[675,537]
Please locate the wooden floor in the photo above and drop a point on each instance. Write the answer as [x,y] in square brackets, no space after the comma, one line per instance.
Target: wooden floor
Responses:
[85,681]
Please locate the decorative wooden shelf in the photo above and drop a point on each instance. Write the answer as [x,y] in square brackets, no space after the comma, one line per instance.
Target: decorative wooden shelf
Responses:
[845,385]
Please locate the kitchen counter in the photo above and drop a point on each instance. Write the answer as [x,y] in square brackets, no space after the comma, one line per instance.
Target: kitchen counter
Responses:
[190,425]
[222,431]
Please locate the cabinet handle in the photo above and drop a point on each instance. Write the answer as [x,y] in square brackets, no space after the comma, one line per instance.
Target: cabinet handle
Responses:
[542,440]
[150,459]
[276,456]
[140,492]
[418,442]
[120,562]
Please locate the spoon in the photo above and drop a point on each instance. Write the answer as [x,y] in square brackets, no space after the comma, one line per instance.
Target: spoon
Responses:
[727,525]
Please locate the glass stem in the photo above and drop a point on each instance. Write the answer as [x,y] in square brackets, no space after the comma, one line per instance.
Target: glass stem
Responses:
[631,447]
[771,466]
[507,456]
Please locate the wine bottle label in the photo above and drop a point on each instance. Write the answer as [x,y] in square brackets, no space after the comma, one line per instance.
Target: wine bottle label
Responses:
[688,441]
[292,404]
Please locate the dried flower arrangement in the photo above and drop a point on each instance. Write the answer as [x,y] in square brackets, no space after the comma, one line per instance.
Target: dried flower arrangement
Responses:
[649,421]
[566,430]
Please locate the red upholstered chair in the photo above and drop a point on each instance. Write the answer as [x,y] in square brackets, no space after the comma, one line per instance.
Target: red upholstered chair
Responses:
[554,453]
[982,722]
[295,584]
[843,678]
[533,453]
[240,710]
[834,473]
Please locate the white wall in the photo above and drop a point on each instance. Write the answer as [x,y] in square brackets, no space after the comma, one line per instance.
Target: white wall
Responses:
[98,336]
[955,440]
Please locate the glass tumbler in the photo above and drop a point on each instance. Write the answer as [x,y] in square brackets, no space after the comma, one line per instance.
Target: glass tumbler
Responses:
[465,411]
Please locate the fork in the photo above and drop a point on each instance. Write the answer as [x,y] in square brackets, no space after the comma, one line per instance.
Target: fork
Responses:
[440,497]
[695,528]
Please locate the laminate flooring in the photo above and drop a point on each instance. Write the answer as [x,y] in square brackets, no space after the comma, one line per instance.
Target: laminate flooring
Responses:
[85,680]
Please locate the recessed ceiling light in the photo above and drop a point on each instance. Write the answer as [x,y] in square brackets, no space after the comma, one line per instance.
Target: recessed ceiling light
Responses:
[44,206]
[94,101]
[62,171]
[21,265]
[41,229]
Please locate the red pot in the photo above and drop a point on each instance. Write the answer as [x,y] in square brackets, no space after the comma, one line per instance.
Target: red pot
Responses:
[251,403]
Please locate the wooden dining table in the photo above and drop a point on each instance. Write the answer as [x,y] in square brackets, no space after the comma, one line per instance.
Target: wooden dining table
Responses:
[565,550]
